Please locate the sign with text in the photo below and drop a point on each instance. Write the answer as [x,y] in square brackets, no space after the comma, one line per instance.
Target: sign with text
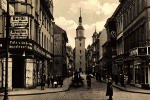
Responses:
[20,44]
[134,52]
[19,33]
[142,51]
[19,21]
[41,51]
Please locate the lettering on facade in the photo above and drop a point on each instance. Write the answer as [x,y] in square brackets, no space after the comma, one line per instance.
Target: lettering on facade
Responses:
[20,27]
[41,51]
[19,21]
[19,33]
[38,49]
[20,44]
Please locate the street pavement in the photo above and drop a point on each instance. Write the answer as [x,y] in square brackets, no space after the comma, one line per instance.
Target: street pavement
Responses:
[97,92]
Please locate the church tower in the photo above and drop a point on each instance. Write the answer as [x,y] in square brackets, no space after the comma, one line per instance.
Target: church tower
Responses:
[80,62]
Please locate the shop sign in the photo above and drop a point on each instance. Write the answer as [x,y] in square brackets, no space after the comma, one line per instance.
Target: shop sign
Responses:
[133,52]
[19,33]
[19,21]
[39,50]
[20,44]
[142,51]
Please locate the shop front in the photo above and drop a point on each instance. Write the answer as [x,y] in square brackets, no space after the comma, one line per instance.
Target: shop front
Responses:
[27,62]
[140,67]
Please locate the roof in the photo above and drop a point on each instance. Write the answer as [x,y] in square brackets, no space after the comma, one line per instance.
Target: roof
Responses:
[80,27]
[59,30]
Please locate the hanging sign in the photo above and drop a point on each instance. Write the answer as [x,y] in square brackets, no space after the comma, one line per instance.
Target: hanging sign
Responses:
[19,21]
[18,33]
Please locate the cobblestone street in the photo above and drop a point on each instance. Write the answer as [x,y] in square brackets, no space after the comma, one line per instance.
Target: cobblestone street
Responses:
[97,92]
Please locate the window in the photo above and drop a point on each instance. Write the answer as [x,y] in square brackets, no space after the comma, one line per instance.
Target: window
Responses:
[80,51]
[45,41]
[42,39]
[80,44]
[36,33]
[80,57]
[80,62]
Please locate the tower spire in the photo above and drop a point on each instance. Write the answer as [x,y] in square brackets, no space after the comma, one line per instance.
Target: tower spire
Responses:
[80,11]
[95,28]
[80,18]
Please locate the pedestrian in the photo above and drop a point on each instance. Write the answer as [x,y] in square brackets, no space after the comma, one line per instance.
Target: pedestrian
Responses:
[43,79]
[88,79]
[48,80]
[61,81]
[52,81]
[109,91]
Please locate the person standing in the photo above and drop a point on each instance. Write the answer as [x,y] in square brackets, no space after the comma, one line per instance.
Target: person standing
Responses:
[109,91]
[43,79]
[116,79]
[48,80]
[52,81]
[88,78]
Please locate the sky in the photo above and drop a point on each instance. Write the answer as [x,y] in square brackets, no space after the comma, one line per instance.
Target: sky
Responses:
[94,13]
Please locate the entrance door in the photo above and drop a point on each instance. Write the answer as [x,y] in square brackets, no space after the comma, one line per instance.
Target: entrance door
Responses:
[18,72]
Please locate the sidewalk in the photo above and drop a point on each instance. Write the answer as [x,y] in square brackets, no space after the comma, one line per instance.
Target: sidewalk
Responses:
[65,87]
[133,89]
[130,88]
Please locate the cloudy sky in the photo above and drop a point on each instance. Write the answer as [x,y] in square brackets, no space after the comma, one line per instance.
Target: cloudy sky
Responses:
[94,12]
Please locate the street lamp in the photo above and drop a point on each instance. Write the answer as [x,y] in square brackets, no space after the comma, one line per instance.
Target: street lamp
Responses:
[7,47]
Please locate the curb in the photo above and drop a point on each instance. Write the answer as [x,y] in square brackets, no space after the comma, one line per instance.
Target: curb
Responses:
[36,93]
[128,90]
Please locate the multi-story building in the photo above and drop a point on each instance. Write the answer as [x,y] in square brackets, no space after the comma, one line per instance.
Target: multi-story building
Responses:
[95,53]
[30,43]
[89,59]
[102,39]
[60,55]
[80,61]
[133,40]
[136,40]
[111,44]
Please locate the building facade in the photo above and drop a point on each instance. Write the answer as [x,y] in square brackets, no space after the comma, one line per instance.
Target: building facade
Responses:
[60,53]
[102,40]
[132,42]
[95,52]
[70,61]
[80,61]
[30,45]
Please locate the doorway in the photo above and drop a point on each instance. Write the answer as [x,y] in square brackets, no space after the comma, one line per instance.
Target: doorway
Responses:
[18,72]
